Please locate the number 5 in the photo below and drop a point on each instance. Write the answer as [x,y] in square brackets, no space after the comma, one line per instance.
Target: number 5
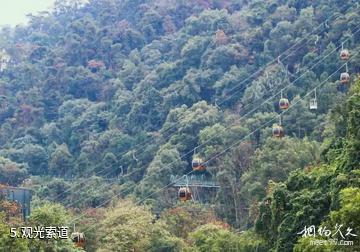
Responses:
[13,233]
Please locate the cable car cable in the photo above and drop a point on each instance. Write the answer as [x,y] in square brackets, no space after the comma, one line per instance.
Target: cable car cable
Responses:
[232,145]
[200,145]
[270,97]
[143,143]
[221,153]
[265,101]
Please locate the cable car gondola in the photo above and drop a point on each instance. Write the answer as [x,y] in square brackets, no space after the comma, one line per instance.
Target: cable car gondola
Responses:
[278,131]
[313,102]
[283,103]
[344,78]
[78,239]
[198,164]
[344,53]
[184,194]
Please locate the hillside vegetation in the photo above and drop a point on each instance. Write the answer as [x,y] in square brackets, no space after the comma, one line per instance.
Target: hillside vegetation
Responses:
[102,102]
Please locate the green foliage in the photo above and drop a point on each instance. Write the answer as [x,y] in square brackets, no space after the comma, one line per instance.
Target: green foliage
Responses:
[214,238]
[125,227]
[36,157]
[182,220]
[49,214]
[249,241]
[167,161]
[162,240]
[12,173]
[348,213]
[322,196]
[274,161]
[347,216]
[104,98]
[8,243]
[60,161]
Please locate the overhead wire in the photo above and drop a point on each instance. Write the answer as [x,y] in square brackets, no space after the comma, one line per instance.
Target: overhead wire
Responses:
[203,143]
[234,144]
[254,109]
[184,155]
[229,147]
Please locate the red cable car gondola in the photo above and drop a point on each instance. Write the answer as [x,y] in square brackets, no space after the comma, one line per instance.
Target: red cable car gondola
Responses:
[79,239]
[278,131]
[284,103]
[184,194]
[198,164]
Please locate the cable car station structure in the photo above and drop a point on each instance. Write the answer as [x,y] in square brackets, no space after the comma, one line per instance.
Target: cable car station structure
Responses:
[20,195]
[193,181]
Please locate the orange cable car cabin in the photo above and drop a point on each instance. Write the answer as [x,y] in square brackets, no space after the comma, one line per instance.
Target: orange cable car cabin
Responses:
[79,239]
[284,103]
[198,164]
[278,131]
[184,194]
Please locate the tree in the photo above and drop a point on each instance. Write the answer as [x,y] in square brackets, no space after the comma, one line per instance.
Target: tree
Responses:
[109,162]
[60,161]
[193,50]
[167,161]
[12,173]
[281,159]
[229,172]
[127,89]
[126,227]
[347,215]
[51,215]
[161,240]
[214,238]
[182,220]
[6,242]
[223,57]
[36,157]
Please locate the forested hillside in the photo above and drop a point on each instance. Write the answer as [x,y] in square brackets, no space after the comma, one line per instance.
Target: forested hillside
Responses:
[104,104]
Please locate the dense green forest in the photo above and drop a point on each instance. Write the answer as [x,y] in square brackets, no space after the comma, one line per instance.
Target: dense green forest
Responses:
[104,104]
